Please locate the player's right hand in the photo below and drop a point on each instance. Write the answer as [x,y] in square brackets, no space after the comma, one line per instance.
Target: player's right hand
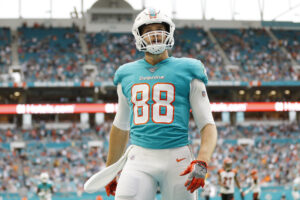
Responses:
[111,187]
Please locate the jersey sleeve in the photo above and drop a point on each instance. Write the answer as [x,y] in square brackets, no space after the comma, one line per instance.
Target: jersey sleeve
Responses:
[198,71]
[121,120]
[200,104]
[117,78]
[119,74]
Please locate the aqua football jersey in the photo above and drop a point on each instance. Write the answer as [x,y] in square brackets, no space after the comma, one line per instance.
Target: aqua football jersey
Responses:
[158,97]
[46,187]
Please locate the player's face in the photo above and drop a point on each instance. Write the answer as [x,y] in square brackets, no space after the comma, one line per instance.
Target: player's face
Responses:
[153,38]
[227,166]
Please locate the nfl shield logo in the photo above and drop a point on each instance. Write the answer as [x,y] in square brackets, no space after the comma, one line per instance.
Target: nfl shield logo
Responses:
[203,93]
[153,69]
[153,13]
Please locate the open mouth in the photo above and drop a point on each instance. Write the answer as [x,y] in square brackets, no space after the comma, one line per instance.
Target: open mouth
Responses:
[156,41]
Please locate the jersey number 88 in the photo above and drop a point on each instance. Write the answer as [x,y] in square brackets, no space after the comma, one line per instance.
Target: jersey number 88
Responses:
[162,110]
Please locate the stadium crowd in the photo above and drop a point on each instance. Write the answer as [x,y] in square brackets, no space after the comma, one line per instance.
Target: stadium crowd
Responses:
[291,41]
[69,158]
[109,51]
[50,54]
[259,57]
[55,54]
[5,51]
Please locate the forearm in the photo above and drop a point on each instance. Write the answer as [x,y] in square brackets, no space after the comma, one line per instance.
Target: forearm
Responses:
[237,183]
[249,190]
[118,140]
[208,142]
[219,181]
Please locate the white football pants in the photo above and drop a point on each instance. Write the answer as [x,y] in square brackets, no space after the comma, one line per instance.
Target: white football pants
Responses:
[146,169]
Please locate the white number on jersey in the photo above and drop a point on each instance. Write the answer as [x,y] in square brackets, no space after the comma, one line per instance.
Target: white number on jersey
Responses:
[163,95]
[140,95]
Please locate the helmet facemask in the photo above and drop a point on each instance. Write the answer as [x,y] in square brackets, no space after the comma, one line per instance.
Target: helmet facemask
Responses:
[228,166]
[156,42]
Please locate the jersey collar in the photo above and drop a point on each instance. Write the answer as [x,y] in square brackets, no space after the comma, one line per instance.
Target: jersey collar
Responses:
[161,62]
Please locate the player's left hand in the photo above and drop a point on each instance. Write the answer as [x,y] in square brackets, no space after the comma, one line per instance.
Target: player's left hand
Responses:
[111,187]
[197,171]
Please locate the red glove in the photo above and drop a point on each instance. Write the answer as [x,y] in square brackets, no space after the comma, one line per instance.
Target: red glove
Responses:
[111,187]
[197,171]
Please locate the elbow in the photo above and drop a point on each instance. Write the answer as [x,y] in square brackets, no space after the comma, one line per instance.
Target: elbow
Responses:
[209,125]
[211,129]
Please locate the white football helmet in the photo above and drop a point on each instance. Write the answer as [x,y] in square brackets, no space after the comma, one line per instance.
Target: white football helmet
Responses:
[153,16]
[44,177]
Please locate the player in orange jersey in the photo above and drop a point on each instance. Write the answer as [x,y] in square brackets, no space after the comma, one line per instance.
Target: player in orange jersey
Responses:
[254,185]
[226,180]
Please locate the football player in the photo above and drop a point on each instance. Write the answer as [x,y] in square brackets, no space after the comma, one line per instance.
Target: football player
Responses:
[226,179]
[296,188]
[254,185]
[155,95]
[45,189]
[206,190]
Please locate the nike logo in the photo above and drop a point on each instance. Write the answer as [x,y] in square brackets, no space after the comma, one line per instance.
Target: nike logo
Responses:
[179,159]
